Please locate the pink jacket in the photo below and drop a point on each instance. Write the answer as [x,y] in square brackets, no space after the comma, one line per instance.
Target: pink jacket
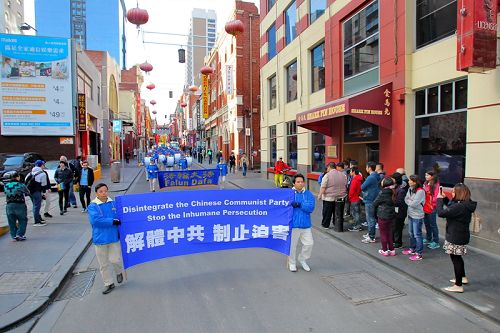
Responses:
[427,189]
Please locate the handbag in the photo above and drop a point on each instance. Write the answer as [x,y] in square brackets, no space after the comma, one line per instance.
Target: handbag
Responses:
[76,187]
[60,187]
[476,223]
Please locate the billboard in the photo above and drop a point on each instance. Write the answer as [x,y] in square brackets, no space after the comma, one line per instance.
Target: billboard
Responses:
[37,94]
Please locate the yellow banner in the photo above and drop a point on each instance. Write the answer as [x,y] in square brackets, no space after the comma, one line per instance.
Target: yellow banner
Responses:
[204,95]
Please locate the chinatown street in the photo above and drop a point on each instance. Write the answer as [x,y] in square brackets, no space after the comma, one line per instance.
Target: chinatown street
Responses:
[252,290]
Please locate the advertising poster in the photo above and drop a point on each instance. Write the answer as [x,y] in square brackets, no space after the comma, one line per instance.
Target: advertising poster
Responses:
[36,95]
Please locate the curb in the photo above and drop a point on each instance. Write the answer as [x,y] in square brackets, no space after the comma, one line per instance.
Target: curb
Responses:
[412,277]
[40,300]
[4,229]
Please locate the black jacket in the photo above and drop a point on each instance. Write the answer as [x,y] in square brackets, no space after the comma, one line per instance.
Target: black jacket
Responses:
[458,216]
[400,201]
[63,176]
[90,176]
[383,206]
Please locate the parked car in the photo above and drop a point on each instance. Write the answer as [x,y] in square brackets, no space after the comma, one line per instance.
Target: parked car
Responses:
[51,170]
[21,163]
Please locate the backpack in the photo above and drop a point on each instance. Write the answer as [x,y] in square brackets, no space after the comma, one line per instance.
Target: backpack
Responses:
[31,183]
[428,207]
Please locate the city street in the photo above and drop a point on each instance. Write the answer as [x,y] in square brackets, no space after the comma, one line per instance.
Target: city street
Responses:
[251,290]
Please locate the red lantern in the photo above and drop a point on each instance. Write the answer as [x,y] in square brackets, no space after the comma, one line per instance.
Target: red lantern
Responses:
[147,67]
[193,88]
[153,102]
[151,86]
[154,112]
[205,70]
[137,16]
[235,27]
[183,104]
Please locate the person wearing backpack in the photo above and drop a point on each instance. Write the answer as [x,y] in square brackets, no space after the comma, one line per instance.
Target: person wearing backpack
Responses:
[431,187]
[385,213]
[36,182]
[415,199]
[17,212]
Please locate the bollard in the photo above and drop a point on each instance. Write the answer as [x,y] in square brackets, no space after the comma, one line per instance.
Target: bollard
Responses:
[115,172]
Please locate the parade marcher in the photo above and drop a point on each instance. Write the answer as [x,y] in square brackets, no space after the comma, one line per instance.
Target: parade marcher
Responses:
[244,164]
[222,166]
[152,172]
[303,206]
[355,198]
[209,154]
[46,194]
[36,183]
[64,180]
[232,163]
[280,168]
[458,213]
[147,161]
[431,187]
[385,212]
[415,199]
[370,190]
[105,236]
[333,193]
[401,209]
[85,181]
[16,210]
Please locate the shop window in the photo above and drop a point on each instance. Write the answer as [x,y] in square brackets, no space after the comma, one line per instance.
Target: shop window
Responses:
[291,143]
[435,20]
[361,50]
[440,136]
[290,23]
[451,96]
[316,9]
[318,67]
[291,82]
[318,152]
[272,145]
[271,42]
[270,4]
[357,130]
[272,92]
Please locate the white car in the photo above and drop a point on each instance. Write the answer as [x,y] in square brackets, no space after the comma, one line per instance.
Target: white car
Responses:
[51,167]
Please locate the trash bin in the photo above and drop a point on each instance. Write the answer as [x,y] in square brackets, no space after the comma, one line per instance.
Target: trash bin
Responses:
[115,172]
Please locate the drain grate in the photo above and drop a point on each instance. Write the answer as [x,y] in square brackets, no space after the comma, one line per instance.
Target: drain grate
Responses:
[22,283]
[362,287]
[78,286]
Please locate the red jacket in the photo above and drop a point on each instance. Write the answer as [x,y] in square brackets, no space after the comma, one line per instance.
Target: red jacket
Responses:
[355,188]
[280,166]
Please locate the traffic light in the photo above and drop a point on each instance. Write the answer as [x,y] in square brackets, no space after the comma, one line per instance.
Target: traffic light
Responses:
[182,55]
[171,94]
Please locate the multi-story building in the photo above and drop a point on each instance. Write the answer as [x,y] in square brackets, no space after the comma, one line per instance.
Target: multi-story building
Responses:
[94,24]
[384,81]
[201,39]
[233,123]
[12,16]
[130,107]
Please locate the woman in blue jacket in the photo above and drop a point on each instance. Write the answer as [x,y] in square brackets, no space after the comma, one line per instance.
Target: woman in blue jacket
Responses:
[105,222]
[303,206]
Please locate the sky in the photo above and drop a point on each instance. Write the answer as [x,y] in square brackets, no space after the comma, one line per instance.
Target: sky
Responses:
[170,16]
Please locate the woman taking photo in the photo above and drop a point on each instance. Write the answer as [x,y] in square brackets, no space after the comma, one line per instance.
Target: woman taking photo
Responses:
[457,213]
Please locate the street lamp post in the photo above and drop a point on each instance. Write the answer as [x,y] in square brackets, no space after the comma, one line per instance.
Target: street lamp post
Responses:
[25,27]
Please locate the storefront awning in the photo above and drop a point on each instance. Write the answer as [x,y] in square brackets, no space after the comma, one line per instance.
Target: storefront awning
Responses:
[373,106]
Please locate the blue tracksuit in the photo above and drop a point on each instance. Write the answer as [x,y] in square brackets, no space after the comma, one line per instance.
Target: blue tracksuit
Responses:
[101,215]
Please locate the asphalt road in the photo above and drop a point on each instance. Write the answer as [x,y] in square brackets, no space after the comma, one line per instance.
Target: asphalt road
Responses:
[251,290]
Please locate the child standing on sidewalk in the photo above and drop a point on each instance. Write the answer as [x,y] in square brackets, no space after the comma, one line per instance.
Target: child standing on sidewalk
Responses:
[385,212]
[17,212]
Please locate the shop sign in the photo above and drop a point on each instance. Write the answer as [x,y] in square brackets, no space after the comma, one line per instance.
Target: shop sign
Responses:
[477,35]
[331,151]
[66,141]
[117,126]
[204,95]
[82,112]
[229,79]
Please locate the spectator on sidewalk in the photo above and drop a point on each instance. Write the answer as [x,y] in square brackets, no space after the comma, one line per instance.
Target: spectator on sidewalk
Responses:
[105,222]
[127,157]
[303,206]
[232,163]
[403,174]
[152,174]
[74,168]
[385,212]
[244,164]
[458,213]
[380,170]
[351,164]
[354,198]
[219,156]
[209,154]
[16,210]
[280,168]
[401,210]
[415,199]
[333,193]
[85,181]
[46,194]
[431,187]
[64,180]
[37,182]
[370,190]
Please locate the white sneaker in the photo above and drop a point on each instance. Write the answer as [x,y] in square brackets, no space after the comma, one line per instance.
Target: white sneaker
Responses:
[366,236]
[305,266]
[293,267]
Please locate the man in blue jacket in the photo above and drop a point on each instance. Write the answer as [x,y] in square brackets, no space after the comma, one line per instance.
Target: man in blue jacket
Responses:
[303,206]
[370,190]
[105,222]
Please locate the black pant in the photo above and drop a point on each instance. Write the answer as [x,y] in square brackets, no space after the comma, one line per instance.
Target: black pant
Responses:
[64,194]
[232,167]
[458,266]
[398,225]
[84,193]
[333,209]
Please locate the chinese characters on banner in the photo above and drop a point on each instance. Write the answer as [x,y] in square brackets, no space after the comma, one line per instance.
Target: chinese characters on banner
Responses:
[82,112]
[204,95]
[36,86]
[168,224]
[188,178]
[229,79]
